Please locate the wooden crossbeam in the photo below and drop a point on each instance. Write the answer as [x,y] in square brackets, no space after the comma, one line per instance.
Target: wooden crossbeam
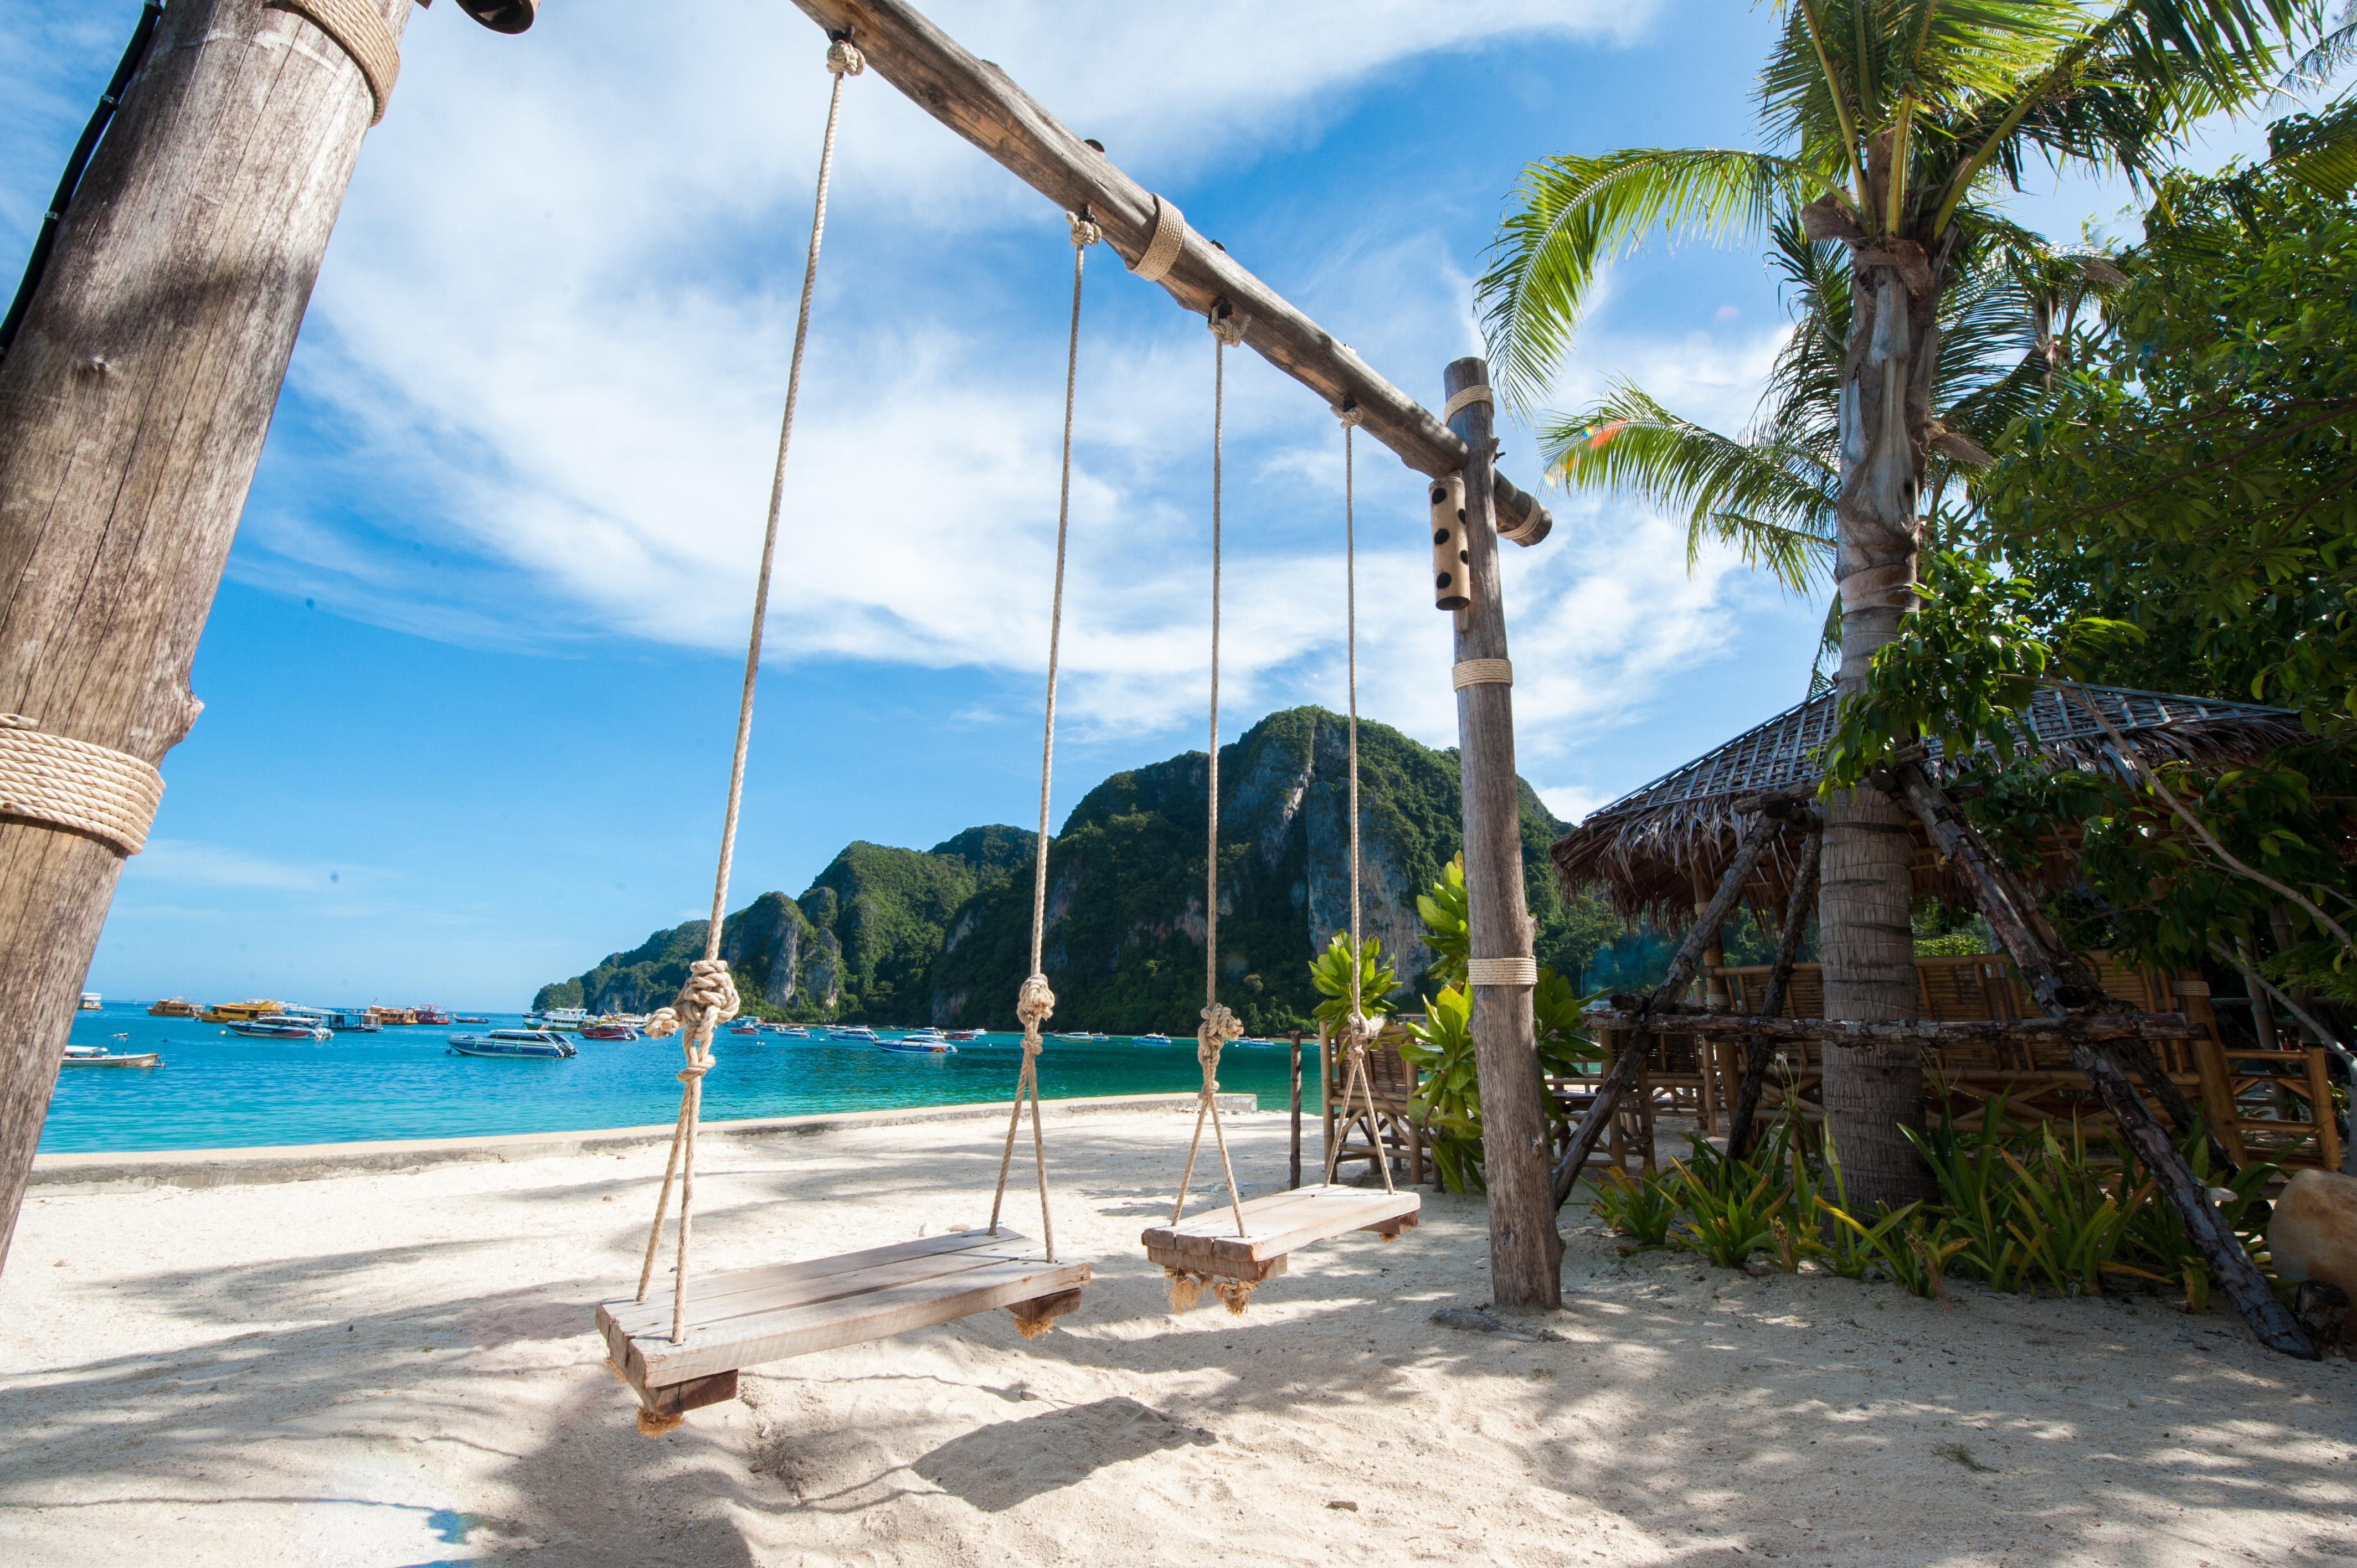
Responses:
[982,104]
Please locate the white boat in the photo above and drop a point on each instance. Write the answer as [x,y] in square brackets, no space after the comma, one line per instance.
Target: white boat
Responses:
[91,1001]
[535,1044]
[859,1032]
[95,1056]
[281,1027]
[557,1018]
[1151,1039]
[919,1043]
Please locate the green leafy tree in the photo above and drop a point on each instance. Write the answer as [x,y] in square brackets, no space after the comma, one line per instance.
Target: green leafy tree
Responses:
[1892,128]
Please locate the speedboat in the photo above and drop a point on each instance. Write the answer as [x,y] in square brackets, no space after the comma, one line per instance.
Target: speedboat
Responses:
[1151,1039]
[859,1032]
[95,1056]
[241,1012]
[280,1027]
[468,1019]
[963,1035]
[919,1043]
[786,1031]
[607,1029]
[741,1026]
[540,1044]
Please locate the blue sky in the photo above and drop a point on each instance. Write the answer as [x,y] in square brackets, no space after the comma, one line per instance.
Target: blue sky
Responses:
[469,680]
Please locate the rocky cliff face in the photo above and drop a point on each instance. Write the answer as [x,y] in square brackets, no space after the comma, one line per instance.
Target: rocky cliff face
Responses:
[889,935]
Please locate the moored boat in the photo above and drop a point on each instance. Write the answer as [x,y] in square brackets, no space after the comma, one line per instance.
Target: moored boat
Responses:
[91,1001]
[1151,1039]
[349,1020]
[859,1032]
[94,1056]
[468,1019]
[281,1027]
[533,1044]
[919,1043]
[607,1029]
[240,1012]
[557,1018]
[432,1015]
[398,1016]
[174,1007]
[963,1035]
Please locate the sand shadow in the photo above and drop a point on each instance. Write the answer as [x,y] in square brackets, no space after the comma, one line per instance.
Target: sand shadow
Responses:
[1011,1462]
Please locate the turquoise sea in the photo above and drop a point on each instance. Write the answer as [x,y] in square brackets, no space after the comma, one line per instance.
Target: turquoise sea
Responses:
[219,1090]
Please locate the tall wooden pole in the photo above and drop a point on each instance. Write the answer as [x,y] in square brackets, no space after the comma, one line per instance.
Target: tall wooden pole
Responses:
[1525,1252]
[133,407]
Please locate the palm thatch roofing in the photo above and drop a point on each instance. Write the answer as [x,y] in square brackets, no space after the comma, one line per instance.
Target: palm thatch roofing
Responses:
[1658,850]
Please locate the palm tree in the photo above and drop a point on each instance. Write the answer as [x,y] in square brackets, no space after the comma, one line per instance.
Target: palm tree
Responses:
[1896,125]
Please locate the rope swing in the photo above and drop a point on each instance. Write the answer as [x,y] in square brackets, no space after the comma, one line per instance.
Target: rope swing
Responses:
[1219,1025]
[709,997]
[1358,1031]
[1036,1003]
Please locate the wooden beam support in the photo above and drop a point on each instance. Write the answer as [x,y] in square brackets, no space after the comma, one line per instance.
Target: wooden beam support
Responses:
[2065,1029]
[1631,1061]
[982,104]
[2061,986]
[1759,1048]
[132,406]
[1525,1252]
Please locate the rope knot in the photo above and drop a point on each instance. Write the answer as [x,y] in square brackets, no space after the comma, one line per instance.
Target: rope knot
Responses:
[1034,1005]
[1225,323]
[706,1001]
[1219,1026]
[1085,232]
[843,58]
[1350,413]
[699,1062]
[1358,1031]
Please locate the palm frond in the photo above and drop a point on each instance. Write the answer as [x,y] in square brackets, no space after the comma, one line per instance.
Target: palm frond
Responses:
[1572,215]
[1774,504]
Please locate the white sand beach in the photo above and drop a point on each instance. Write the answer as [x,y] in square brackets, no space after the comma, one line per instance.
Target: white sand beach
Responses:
[385,1370]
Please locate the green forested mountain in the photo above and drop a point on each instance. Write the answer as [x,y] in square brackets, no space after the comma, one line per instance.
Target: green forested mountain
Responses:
[891,936]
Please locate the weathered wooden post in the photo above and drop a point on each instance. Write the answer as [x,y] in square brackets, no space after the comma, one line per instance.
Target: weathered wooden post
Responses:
[1525,1252]
[133,407]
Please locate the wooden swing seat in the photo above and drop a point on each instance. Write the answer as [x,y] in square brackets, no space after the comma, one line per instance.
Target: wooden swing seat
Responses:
[1282,1223]
[754,1316]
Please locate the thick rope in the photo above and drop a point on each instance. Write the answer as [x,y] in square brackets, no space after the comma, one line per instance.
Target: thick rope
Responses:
[1480,672]
[709,997]
[61,782]
[1035,1002]
[358,27]
[1358,1029]
[1219,1025]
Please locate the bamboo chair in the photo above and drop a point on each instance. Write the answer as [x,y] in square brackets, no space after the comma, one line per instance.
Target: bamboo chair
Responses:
[1394,1134]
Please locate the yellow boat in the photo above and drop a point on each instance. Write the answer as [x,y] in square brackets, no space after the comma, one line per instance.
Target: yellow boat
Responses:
[174,1007]
[395,1015]
[240,1012]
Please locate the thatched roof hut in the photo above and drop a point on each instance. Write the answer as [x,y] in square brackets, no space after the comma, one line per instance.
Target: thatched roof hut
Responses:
[1659,850]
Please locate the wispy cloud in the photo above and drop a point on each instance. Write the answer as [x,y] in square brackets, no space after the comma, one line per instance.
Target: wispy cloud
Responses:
[188,862]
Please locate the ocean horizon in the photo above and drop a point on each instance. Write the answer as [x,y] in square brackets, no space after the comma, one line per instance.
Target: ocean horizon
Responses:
[219,1090]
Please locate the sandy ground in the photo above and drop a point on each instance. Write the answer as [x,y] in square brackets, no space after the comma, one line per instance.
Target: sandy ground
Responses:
[398,1369]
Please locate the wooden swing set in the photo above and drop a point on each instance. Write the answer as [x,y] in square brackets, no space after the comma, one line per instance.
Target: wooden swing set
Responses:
[689,1355]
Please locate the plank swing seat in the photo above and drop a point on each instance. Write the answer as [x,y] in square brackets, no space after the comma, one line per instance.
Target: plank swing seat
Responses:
[761,1314]
[686,1353]
[1250,1240]
[1231,1250]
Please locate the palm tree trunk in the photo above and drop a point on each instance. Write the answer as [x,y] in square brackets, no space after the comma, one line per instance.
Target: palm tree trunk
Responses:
[1865,900]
